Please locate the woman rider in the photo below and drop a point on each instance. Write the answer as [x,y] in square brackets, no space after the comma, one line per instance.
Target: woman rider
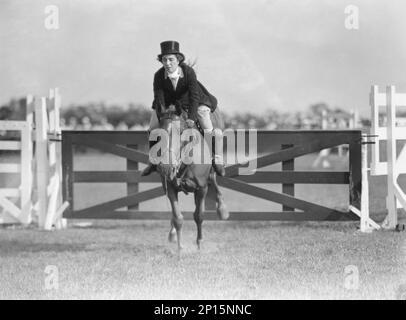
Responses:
[175,83]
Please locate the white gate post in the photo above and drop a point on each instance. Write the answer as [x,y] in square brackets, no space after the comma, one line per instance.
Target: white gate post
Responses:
[391,157]
[41,158]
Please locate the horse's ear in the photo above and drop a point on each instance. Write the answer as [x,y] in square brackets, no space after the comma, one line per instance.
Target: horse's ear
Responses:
[178,108]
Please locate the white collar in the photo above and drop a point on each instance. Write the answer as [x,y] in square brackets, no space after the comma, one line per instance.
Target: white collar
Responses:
[178,73]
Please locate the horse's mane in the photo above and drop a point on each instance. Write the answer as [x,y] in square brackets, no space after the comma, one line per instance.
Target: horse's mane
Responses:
[190,63]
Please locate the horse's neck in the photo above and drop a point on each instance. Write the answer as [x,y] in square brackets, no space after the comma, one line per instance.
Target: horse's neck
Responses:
[175,149]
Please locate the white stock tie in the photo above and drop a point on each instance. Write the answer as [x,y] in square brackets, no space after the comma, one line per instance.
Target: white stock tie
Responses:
[174,78]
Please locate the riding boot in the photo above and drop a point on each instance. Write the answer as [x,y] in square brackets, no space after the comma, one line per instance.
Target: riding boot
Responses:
[217,162]
[151,167]
[219,168]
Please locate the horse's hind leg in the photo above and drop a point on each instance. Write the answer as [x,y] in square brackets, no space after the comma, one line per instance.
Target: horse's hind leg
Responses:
[177,217]
[200,195]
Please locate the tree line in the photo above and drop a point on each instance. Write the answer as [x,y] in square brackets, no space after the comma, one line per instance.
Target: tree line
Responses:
[101,116]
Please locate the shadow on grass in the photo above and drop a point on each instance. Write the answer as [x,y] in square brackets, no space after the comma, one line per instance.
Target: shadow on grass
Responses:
[15,247]
[378,217]
[117,224]
[314,225]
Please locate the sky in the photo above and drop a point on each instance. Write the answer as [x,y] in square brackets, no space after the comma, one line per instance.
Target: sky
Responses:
[253,55]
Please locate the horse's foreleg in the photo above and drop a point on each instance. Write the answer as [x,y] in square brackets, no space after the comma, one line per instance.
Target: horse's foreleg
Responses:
[172,233]
[222,210]
[177,217]
[200,196]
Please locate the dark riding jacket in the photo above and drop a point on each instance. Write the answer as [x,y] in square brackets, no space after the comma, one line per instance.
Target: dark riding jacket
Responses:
[189,93]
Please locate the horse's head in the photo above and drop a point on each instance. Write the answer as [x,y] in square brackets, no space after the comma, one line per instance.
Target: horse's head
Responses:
[168,117]
[173,123]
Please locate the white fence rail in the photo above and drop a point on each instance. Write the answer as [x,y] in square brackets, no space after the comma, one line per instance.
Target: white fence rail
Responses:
[41,202]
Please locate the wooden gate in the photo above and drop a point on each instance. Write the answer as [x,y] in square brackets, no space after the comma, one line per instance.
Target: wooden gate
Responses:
[273,147]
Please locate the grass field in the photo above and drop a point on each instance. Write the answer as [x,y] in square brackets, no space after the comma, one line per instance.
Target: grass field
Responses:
[239,260]
[250,260]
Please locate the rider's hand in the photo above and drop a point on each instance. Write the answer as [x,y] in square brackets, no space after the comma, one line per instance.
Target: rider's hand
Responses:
[190,123]
[159,109]
[158,114]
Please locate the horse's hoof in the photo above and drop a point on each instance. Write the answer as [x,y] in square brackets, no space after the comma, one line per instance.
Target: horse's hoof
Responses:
[172,237]
[199,244]
[222,212]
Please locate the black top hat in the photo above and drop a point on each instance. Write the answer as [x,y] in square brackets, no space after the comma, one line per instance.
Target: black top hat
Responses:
[170,47]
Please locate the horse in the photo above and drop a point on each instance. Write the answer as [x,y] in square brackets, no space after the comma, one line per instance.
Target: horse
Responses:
[176,176]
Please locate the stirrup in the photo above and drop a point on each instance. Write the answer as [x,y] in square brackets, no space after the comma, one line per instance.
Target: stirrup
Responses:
[180,186]
[148,170]
[181,170]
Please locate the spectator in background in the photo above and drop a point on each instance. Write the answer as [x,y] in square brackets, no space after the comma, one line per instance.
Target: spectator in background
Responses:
[122,126]
[72,124]
[62,123]
[104,125]
[138,127]
[86,124]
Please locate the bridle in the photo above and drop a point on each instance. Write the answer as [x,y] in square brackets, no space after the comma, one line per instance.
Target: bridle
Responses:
[169,114]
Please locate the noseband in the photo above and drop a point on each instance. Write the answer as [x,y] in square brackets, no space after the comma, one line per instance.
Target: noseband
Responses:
[171,170]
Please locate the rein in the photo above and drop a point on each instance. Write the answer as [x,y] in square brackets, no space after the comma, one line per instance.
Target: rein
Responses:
[169,114]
